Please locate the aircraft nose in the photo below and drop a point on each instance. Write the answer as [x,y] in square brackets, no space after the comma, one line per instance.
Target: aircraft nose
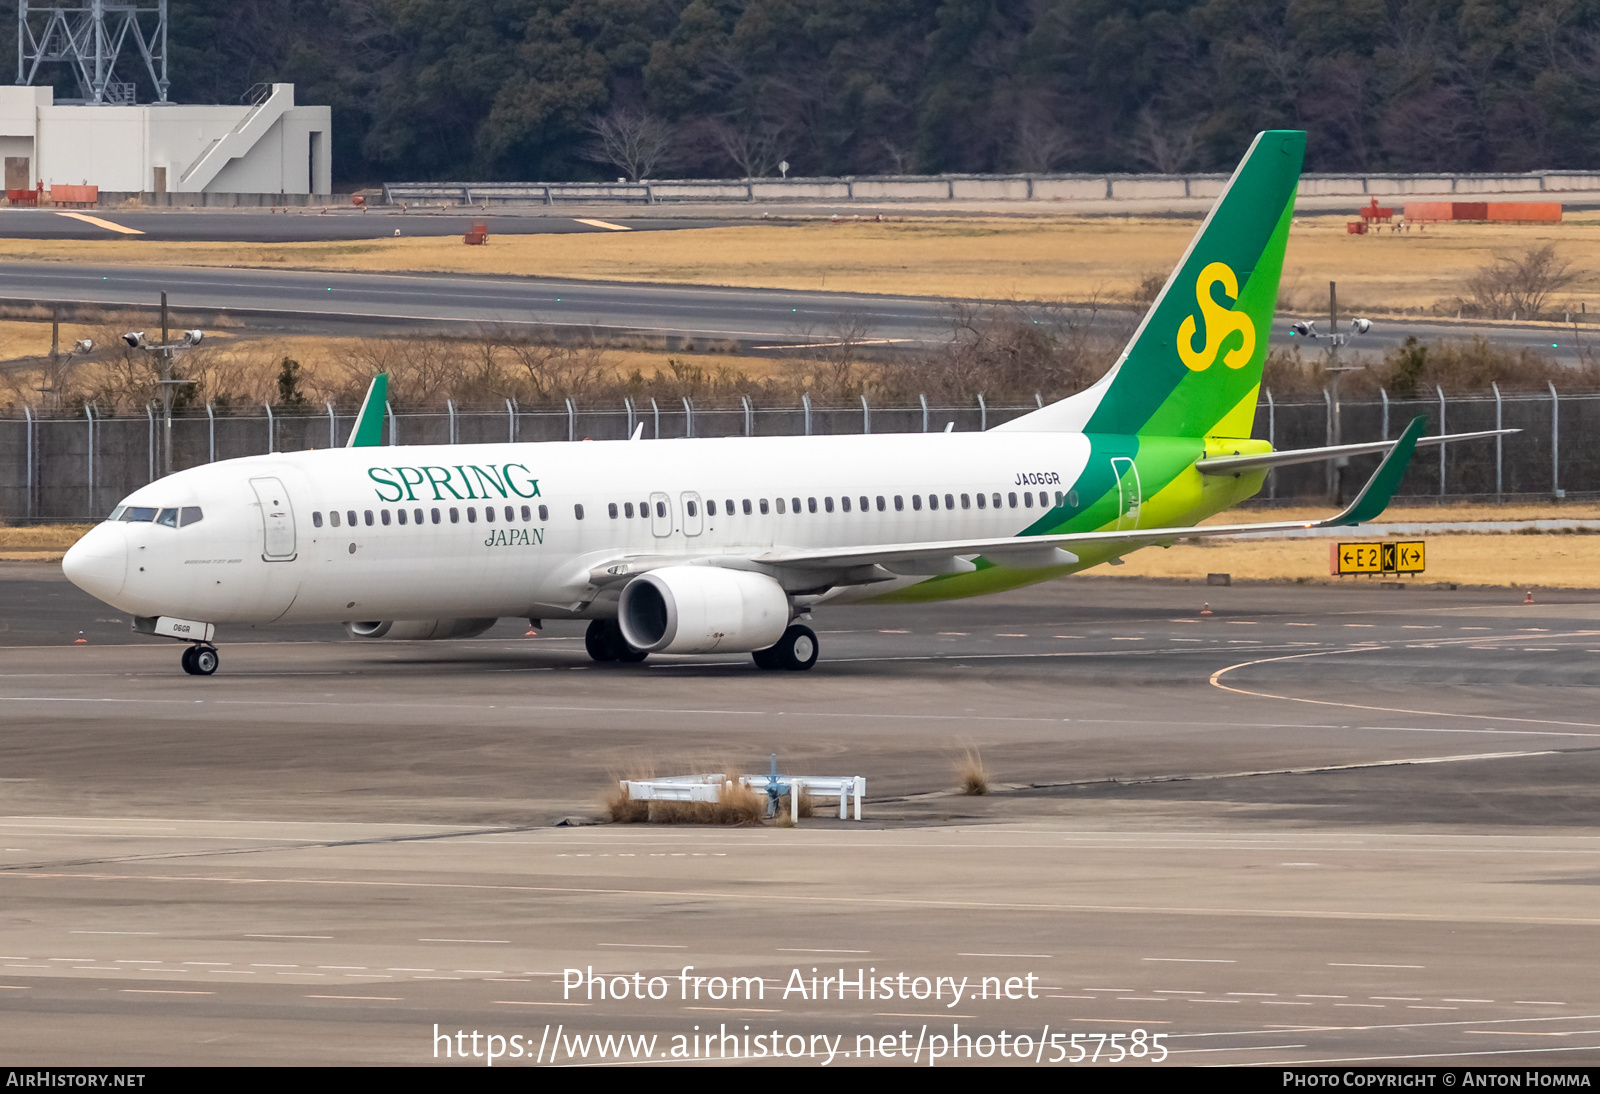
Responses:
[98,563]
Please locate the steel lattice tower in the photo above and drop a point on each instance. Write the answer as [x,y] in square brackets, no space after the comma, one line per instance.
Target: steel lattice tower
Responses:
[89,36]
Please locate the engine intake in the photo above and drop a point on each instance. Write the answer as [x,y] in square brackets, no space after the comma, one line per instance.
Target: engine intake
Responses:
[702,609]
[416,630]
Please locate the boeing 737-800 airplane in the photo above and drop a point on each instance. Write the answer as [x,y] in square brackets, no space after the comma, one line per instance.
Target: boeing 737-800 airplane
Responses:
[726,545]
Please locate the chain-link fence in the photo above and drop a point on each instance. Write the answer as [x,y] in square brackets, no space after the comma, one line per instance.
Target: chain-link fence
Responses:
[77,467]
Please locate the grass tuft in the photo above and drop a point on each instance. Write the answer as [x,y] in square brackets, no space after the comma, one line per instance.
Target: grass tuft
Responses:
[974,778]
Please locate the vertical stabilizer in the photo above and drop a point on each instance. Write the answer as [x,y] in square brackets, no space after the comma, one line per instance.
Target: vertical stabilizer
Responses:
[1193,367]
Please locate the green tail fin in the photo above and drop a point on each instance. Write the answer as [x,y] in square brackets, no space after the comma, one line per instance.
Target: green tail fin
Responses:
[1193,367]
[368,431]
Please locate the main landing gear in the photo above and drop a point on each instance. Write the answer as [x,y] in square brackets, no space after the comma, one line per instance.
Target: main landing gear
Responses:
[604,642]
[200,659]
[796,651]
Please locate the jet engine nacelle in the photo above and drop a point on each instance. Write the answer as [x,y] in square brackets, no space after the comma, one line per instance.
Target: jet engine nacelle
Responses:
[702,609]
[415,630]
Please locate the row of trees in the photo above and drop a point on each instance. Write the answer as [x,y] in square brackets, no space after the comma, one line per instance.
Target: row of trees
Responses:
[522,88]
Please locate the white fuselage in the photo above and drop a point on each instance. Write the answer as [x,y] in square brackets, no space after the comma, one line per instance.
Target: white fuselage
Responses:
[256,557]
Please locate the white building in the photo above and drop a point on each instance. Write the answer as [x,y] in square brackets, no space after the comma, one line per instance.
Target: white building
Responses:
[273,147]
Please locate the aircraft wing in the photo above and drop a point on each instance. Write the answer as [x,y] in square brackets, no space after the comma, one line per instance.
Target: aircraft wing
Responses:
[944,555]
[1232,465]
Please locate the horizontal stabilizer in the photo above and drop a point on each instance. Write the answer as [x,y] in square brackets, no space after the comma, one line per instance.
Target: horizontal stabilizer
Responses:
[1233,465]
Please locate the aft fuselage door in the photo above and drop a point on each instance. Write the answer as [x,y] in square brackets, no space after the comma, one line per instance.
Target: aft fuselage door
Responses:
[277,520]
[1127,473]
[660,514]
[693,518]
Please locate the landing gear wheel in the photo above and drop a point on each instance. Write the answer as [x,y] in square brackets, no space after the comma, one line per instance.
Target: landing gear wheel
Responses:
[797,649]
[604,642]
[766,659]
[200,660]
[598,642]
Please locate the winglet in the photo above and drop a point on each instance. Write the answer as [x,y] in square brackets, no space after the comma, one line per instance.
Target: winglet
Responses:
[1375,495]
[368,432]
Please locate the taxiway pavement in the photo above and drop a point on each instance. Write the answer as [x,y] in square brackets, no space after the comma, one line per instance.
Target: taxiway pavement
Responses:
[1317,824]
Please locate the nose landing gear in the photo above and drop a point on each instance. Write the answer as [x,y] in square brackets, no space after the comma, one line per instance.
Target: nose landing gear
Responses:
[200,659]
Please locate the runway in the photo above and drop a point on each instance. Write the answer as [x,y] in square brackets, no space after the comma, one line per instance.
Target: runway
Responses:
[1316,824]
[754,320]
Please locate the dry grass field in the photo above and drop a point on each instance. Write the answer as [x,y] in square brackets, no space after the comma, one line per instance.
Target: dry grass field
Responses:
[1001,258]
[1521,561]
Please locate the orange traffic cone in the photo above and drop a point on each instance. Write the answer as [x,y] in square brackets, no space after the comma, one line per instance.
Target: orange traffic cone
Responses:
[1529,598]
[1205,609]
[81,640]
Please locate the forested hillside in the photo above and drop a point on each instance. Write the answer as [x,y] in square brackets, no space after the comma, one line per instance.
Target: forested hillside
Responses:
[493,89]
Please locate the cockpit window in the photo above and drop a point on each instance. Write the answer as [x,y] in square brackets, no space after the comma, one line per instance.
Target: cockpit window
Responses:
[168,518]
[116,514]
[191,515]
[138,513]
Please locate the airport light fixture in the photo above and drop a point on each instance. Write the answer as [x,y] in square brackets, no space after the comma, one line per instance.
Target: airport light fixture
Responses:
[164,352]
[1336,340]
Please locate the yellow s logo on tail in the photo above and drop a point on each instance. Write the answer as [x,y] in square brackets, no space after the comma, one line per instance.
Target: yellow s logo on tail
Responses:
[1220,322]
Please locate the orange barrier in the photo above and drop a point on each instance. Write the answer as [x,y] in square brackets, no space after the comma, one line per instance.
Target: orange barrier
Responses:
[1543,212]
[81,196]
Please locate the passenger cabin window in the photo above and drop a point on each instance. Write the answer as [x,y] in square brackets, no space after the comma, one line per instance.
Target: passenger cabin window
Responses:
[729,507]
[1027,498]
[982,501]
[400,514]
[611,510]
[661,508]
[764,506]
[779,503]
[864,505]
[1012,498]
[472,514]
[811,505]
[455,515]
[191,515]
[350,515]
[711,507]
[949,501]
[577,512]
[333,517]
[880,503]
[316,520]
[416,515]
[899,503]
[544,513]
[688,506]
[434,513]
[997,501]
[385,515]
[488,513]
[844,503]
[627,509]
[168,518]
[511,514]
[367,516]
[747,506]
[795,504]
[1072,498]
[827,503]
[933,501]
[916,502]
